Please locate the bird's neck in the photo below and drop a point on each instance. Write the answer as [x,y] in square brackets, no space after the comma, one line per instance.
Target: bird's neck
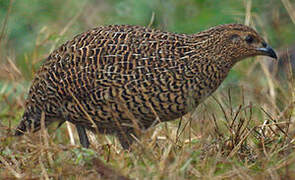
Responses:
[211,65]
[208,75]
[209,59]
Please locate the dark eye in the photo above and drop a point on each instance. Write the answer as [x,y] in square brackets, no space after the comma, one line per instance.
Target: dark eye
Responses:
[249,39]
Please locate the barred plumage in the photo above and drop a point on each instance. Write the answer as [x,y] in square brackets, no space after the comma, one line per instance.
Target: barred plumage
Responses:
[123,77]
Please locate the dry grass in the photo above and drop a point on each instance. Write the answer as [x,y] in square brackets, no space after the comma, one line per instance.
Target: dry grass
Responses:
[245,131]
[230,136]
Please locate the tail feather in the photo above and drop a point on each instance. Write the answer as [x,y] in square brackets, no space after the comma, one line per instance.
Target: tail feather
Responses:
[28,123]
[21,128]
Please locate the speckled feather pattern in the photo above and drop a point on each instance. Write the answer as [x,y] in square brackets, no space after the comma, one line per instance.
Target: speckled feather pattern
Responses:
[122,75]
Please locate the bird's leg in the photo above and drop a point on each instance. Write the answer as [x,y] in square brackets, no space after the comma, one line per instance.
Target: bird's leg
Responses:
[125,139]
[82,136]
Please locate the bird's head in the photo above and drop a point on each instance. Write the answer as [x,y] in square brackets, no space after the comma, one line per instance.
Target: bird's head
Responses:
[237,41]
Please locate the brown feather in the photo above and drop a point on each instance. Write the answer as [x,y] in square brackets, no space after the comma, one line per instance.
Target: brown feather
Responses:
[125,76]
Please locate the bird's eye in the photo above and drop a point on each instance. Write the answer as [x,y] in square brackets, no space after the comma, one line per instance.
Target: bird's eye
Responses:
[249,39]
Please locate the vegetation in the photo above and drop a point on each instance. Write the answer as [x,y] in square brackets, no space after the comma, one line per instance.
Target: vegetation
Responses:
[245,130]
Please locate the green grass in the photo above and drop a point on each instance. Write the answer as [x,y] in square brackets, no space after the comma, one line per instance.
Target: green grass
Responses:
[244,131]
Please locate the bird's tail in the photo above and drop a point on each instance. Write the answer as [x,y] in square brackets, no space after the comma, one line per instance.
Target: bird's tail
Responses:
[29,122]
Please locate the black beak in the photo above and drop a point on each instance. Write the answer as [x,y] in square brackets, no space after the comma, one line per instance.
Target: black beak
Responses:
[267,50]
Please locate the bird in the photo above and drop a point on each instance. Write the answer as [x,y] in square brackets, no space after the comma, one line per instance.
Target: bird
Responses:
[123,79]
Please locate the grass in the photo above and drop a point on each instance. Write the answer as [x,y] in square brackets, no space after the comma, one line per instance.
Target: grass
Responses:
[225,138]
[244,131]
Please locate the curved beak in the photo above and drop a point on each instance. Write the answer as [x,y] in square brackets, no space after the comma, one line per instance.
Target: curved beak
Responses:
[268,51]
